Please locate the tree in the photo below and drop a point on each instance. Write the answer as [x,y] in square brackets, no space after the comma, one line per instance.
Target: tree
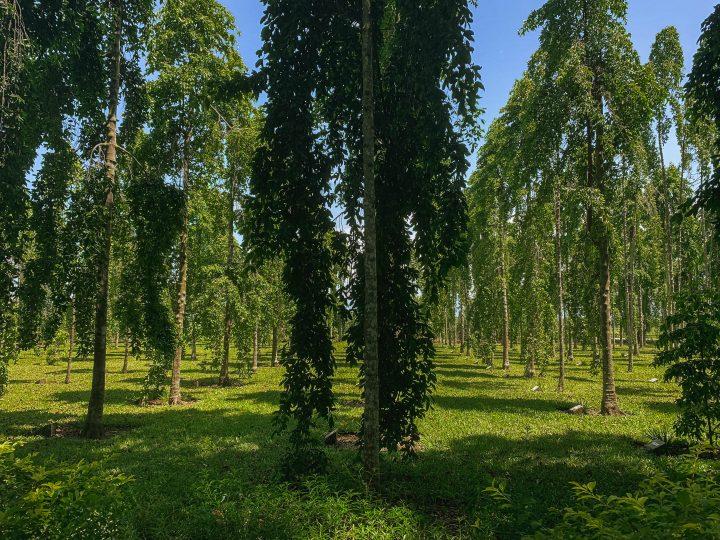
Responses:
[691,340]
[190,43]
[371,418]
[666,62]
[123,44]
[702,88]
[588,44]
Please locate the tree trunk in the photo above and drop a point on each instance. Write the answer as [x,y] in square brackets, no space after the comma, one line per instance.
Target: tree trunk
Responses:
[72,343]
[505,303]
[126,354]
[94,422]
[667,227]
[630,294]
[641,319]
[274,354]
[175,396]
[371,417]
[561,292]
[256,349]
[601,238]
[227,326]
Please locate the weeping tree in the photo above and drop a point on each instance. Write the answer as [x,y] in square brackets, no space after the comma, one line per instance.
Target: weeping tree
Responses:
[703,90]
[313,138]
[587,43]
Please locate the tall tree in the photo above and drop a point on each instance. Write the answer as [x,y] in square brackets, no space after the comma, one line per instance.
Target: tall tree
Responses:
[702,87]
[371,419]
[586,45]
[189,44]
[666,61]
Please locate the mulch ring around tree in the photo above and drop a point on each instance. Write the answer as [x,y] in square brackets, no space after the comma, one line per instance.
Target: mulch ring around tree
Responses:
[187,401]
[74,431]
[351,441]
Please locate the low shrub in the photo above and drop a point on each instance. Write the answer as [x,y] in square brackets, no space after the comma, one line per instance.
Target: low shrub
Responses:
[50,500]
[683,503]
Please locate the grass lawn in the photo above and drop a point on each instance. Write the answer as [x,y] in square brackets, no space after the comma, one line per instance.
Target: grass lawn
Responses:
[211,469]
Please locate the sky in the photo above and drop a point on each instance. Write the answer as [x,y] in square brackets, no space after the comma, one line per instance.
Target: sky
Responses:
[503,54]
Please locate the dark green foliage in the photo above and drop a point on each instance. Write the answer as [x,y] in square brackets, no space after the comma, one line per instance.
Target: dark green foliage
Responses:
[426,83]
[425,79]
[43,294]
[679,504]
[154,210]
[704,90]
[45,499]
[691,339]
[288,208]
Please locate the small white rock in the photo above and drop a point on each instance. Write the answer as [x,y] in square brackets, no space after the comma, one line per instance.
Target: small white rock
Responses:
[536,389]
[577,409]
[653,380]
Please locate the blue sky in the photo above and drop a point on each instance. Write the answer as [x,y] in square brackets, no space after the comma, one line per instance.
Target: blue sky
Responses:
[503,54]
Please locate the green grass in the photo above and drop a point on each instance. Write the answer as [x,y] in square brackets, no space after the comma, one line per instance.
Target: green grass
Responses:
[212,469]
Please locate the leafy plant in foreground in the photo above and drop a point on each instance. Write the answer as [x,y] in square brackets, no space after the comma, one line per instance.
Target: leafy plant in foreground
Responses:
[51,500]
[691,341]
[680,504]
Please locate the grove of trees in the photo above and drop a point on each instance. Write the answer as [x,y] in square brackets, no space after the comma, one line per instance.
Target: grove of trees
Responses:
[155,191]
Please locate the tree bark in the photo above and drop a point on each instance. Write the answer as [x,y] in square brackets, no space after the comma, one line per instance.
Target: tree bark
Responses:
[561,292]
[175,395]
[601,238]
[126,354]
[274,354]
[227,326]
[94,422]
[371,417]
[505,303]
[72,343]
[256,349]
[667,227]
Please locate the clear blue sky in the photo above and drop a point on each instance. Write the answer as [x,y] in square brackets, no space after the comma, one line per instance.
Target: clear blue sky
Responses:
[503,54]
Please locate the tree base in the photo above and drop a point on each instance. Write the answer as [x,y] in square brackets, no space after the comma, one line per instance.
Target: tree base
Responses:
[225,382]
[175,401]
[611,409]
[93,431]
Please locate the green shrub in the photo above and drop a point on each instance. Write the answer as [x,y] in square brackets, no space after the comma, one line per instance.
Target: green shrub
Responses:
[684,503]
[50,500]
[691,340]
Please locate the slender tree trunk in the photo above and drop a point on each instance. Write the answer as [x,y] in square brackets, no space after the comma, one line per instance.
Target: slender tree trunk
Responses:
[561,291]
[94,422]
[72,343]
[632,342]
[505,303]
[371,418]
[274,354]
[175,395]
[462,327]
[641,319]
[667,227]
[227,326]
[126,354]
[256,349]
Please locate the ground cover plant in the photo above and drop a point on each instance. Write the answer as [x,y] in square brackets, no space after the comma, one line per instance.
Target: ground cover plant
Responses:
[212,468]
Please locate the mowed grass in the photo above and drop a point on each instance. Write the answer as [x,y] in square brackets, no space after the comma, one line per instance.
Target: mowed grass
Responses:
[212,469]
